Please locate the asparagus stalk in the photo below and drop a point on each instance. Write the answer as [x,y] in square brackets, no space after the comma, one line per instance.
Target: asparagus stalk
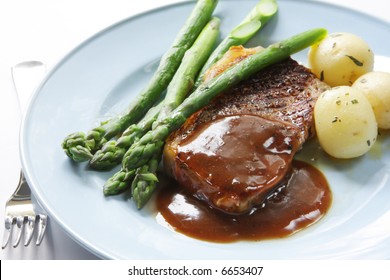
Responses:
[81,147]
[180,86]
[141,151]
[112,152]
[252,23]
[184,80]
[263,11]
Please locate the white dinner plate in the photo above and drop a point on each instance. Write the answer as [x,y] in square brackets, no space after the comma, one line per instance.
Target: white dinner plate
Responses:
[100,77]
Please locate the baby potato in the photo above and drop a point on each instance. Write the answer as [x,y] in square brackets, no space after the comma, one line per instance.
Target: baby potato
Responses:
[376,87]
[345,122]
[340,58]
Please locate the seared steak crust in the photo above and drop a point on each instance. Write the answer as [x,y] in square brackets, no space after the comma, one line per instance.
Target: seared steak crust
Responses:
[286,92]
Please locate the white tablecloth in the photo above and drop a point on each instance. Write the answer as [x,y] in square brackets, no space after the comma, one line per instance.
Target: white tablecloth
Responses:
[47,30]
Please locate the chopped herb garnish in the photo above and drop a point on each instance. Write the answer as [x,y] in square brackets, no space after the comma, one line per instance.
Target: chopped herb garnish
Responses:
[336,119]
[322,75]
[368,143]
[354,101]
[338,102]
[357,62]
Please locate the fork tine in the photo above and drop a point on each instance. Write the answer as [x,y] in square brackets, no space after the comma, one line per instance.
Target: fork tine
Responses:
[29,230]
[7,231]
[41,228]
[18,230]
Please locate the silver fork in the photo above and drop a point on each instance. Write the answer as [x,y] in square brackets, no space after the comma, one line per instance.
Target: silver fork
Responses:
[21,215]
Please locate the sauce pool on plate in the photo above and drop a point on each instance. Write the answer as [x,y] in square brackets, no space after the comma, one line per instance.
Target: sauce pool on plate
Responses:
[302,200]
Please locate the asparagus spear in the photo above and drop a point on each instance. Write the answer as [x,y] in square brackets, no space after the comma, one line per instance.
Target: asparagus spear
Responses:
[112,152]
[253,22]
[118,183]
[122,180]
[178,89]
[141,151]
[81,147]
[145,181]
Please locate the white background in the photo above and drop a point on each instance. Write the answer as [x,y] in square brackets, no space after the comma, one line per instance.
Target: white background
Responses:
[46,30]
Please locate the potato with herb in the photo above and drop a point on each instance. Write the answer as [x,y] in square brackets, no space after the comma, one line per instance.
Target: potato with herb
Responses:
[341,58]
[345,122]
[376,87]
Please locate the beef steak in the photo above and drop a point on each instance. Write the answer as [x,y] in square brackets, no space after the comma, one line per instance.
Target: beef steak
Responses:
[237,150]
